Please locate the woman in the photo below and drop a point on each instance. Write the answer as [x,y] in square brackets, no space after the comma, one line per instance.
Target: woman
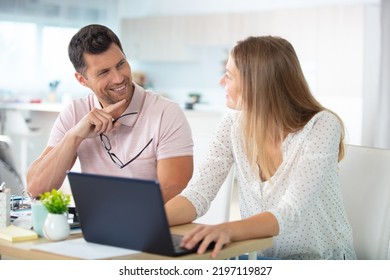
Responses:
[286,148]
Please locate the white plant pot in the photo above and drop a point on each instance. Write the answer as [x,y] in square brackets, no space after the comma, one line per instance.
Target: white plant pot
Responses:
[56,227]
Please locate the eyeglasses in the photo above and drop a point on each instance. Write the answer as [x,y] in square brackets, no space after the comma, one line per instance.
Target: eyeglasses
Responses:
[107,145]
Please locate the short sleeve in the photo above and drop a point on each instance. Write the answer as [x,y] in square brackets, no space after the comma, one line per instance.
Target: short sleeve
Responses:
[175,137]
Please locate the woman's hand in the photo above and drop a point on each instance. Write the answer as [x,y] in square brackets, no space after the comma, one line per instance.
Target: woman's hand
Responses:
[260,225]
[205,234]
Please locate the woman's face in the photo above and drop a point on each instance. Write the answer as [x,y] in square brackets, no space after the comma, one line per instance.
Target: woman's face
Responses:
[231,82]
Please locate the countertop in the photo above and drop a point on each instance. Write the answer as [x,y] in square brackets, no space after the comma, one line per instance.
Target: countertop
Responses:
[57,107]
[43,107]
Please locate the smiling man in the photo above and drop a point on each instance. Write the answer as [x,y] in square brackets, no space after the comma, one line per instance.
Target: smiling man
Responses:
[119,129]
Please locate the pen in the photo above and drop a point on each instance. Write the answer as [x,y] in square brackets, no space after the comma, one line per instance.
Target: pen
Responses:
[2,187]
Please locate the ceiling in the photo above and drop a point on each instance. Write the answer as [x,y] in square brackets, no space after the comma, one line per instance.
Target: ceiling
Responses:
[136,8]
[76,11]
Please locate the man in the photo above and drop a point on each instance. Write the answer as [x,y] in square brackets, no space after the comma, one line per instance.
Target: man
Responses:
[120,129]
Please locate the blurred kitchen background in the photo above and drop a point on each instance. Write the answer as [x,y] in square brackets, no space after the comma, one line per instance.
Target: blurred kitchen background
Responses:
[178,48]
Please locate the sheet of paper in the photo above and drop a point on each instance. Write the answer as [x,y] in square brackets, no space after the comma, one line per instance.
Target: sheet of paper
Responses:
[79,248]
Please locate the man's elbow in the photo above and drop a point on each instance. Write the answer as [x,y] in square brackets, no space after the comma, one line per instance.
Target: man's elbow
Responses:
[170,192]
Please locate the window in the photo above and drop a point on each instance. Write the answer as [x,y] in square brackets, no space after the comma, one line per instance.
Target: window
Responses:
[55,62]
[18,56]
[32,56]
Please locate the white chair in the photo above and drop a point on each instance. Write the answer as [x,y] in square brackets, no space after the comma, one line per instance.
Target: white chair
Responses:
[365,184]
[17,128]
[8,173]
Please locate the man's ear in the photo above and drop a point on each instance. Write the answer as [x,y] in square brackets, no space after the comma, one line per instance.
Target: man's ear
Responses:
[80,78]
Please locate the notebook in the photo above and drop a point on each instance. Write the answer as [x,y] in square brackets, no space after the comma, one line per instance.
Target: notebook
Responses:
[14,234]
[123,212]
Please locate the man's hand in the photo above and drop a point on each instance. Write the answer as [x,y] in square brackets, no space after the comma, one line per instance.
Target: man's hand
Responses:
[98,121]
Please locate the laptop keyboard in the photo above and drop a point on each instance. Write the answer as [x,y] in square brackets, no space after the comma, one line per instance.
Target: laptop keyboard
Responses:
[176,239]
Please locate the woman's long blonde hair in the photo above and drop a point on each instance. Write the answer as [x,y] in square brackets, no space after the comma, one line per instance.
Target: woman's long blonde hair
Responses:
[276,99]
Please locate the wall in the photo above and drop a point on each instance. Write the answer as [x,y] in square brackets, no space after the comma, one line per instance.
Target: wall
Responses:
[331,43]
[34,36]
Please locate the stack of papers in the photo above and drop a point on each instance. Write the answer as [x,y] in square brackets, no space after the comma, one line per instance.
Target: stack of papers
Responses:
[81,249]
[13,233]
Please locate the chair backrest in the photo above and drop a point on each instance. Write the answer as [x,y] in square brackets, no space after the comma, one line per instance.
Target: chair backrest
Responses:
[8,172]
[5,150]
[365,184]
[15,123]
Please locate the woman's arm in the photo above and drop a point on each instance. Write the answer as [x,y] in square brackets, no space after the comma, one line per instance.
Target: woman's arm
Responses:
[257,226]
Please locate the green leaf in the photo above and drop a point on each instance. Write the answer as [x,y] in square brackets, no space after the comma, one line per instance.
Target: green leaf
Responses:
[56,202]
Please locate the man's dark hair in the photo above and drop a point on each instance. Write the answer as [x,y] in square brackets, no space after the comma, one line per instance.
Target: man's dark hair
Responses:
[91,39]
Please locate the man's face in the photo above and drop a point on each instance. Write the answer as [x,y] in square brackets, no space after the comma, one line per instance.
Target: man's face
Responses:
[108,75]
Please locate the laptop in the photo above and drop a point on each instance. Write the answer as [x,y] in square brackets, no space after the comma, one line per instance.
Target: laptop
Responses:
[124,212]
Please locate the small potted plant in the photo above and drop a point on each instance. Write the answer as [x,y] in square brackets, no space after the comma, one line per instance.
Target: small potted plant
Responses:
[56,226]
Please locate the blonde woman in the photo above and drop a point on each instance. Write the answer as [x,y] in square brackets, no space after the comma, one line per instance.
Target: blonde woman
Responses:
[285,147]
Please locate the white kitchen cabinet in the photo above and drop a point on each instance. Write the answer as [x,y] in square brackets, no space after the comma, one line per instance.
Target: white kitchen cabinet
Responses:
[249,24]
[207,30]
[155,39]
[310,30]
[171,38]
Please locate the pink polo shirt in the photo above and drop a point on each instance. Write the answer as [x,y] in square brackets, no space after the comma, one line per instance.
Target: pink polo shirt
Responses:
[157,118]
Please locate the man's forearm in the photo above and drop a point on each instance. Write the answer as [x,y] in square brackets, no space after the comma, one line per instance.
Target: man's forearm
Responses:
[49,170]
[169,192]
